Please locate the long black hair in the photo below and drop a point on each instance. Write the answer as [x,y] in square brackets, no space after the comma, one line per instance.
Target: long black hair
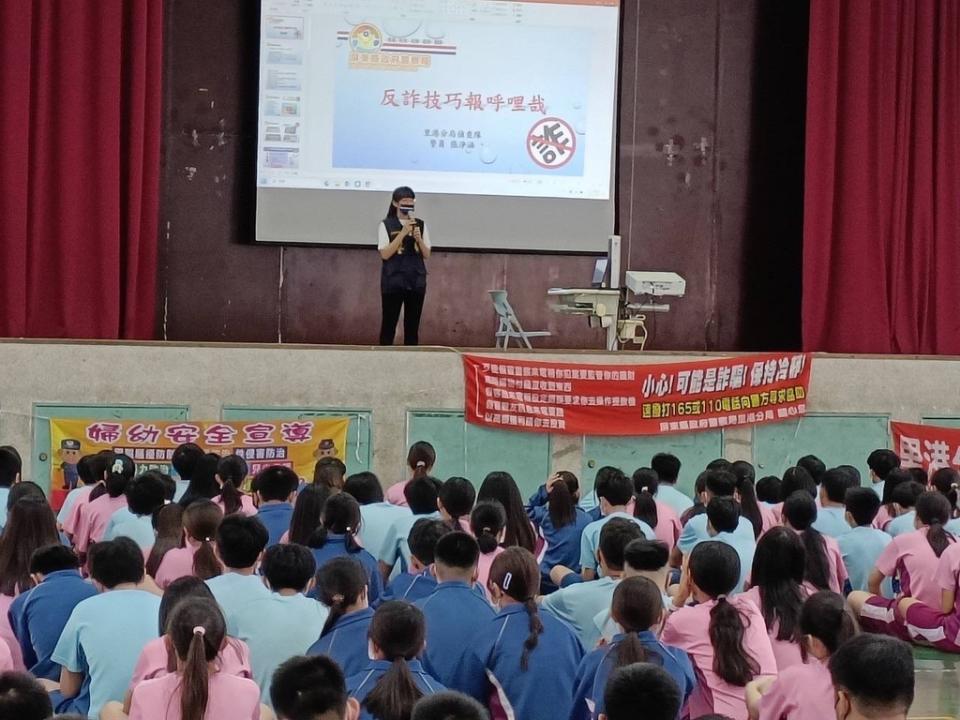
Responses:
[308,513]
[203,483]
[487,520]
[636,606]
[398,631]
[516,572]
[562,500]
[232,471]
[825,616]
[401,193]
[341,583]
[933,509]
[500,486]
[749,507]
[645,484]
[800,510]
[715,570]
[457,496]
[421,457]
[778,568]
[947,482]
[341,516]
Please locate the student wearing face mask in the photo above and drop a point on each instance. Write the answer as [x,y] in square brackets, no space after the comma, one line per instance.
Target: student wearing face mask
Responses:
[404,244]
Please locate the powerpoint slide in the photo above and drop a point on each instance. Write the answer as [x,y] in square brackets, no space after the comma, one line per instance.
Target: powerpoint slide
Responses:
[277,27]
[283,79]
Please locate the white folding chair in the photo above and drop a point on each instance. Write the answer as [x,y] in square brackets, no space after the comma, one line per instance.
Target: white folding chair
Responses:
[509,326]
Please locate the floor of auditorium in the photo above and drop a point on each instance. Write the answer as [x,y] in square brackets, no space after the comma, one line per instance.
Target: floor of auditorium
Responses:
[938,685]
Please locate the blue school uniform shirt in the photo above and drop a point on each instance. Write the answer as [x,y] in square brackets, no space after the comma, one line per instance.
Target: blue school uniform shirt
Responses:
[361,684]
[233,592]
[336,546]
[901,524]
[578,605]
[746,548]
[832,521]
[276,518]
[39,615]
[590,539]
[454,614]
[860,549]
[669,495]
[103,640]
[412,587]
[346,642]
[377,528]
[276,628]
[136,527]
[491,663]
[596,667]
[696,531]
[562,544]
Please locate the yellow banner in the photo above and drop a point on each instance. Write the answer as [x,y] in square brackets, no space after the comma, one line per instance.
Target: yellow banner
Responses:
[296,444]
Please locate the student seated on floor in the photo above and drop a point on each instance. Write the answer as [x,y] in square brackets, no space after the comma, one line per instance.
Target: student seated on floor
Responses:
[641,558]
[862,546]
[873,677]
[276,489]
[560,522]
[418,582]
[311,687]
[342,587]
[641,685]
[615,491]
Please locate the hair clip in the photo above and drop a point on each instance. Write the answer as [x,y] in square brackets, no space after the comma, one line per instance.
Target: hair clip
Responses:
[117,466]
[200,630]
[507,579]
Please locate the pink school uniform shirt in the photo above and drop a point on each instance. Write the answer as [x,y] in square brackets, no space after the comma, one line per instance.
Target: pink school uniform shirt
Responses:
[73,517]
[394,494]
[234,659]
[177,563]
[948,574]
[247,506]
[786,652]
[838,570]
[801,692]
[689,629]
[910,557]
[769,518]
[483,568]
[8,638]
[228,697]
[882,519]
[93,520]
[668,525]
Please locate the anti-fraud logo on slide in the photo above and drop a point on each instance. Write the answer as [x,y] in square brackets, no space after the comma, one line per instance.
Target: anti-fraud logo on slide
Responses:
[551,143]
[366,38]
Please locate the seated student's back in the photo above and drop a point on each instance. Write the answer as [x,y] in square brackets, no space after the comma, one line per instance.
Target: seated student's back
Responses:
[378,516]
[276,488]
[197,557]
[145,496]
[342,587]
[667,468]
[723,518]
[240,543]
[285,622]
[862,546]
[454,613]
[560,522]
[311,687]
[337,536]
[421,495]
[615,491]
[418,581]
[39,615]
[105,634]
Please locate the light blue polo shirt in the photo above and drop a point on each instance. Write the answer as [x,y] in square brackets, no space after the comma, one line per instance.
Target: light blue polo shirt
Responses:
[668,494]
[103,640]
[590,540]
[182,486]
[901,524]
[378,527]
[137,528]
[396,545]
[579,604]
[233,592]
[878,488]
[953,527]
[276,628]
[696,531]
[589,501]
[832,521]
[4,494]
[860,549]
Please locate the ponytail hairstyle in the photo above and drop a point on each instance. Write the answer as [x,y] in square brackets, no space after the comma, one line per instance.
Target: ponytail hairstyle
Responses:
[120,471]
[800,511]
[341,583]
[947,482]
[307,513]
[749,507]
[200,521]
[421,456]
[825,616]
[645,483]
[715,569]
[99,468]
[562,500]
[398,631]
[168,525]
[933,509]
[779,564]
[456,496]
[516,573]
[341,516]
[197,630]
[487,521]
[401,193]
[232,471]
[500,486]
[636,607]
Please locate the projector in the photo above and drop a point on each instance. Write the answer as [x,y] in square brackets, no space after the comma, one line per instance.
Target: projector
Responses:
[656,283]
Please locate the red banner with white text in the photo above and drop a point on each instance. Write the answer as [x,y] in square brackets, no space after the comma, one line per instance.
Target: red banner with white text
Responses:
[644,399]
[926,446]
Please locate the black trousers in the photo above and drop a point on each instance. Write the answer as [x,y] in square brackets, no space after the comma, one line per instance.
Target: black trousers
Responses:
[412,303]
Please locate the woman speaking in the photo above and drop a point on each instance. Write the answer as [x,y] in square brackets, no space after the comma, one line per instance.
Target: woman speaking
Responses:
[403,244]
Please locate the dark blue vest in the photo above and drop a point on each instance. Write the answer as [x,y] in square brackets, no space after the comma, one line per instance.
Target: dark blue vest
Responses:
[405,271]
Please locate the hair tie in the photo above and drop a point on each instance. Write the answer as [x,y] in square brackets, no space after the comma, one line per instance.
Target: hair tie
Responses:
[721,597]
[485,530]
[200,630]
[421,464]
[349,529]
[644,489]
[207,539]
[507,579]
[336,599]
[936,521]
[117,466]
[954,486]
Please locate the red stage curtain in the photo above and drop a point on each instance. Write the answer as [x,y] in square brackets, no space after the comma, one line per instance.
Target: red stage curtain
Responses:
[881,251]
[80,87]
